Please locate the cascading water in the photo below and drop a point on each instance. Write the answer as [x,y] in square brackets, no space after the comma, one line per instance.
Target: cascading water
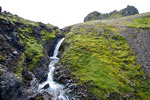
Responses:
[55,88]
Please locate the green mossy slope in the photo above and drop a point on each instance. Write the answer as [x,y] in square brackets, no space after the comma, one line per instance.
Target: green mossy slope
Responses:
[140,23]
[96,53]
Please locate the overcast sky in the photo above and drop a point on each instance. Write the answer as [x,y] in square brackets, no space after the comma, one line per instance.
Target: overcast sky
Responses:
[62,13]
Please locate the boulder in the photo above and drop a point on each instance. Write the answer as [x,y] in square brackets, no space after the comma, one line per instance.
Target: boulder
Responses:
[46,86]
[10,86]
[62,75]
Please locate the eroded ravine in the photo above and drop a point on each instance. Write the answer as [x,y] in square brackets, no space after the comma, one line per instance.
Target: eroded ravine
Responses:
[55,89]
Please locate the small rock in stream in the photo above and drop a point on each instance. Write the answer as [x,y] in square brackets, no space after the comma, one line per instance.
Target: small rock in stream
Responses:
[46,86]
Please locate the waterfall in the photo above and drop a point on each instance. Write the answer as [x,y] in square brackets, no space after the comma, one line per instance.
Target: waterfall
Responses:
[55,89]
[57,47]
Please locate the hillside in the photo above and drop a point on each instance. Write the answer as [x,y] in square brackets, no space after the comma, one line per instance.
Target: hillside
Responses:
[128,11]
[99,60]
[25,47]
[108,58]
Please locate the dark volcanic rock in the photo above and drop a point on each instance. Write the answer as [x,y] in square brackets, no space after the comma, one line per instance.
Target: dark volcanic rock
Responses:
[139,41]
[91,16]
[0,9]
[42,96]
[62,75]
[10,86]
[46,86]
[130,10]
[44,78]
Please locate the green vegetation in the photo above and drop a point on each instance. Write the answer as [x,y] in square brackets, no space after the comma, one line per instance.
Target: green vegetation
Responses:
[112,16]
[105,60]
[20,64]
[39,98]
[34,49]
[47,36]
[33,43]
[140,23]
[33,53]
[1,71]
[1,58]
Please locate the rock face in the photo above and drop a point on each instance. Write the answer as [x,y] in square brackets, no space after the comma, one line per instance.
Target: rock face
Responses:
[0,9]
[10,86]
[130,10]
[42,96]
[25,47]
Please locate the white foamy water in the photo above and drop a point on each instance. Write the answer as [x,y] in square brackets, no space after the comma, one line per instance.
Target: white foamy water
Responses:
[55,89]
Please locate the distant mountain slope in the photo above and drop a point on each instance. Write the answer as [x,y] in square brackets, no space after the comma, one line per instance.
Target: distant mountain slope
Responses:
[130,10]
[108,59]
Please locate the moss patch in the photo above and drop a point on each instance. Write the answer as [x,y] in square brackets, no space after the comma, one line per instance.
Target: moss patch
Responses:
[34,51]
[140,23]
[47,36]
[106,61]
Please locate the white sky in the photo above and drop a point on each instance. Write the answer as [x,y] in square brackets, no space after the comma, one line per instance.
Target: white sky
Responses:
[63,13]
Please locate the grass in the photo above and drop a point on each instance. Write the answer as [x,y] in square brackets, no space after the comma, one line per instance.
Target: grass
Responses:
[106,61]
[140,23]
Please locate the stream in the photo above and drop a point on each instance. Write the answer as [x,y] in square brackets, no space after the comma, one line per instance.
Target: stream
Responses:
[55,89]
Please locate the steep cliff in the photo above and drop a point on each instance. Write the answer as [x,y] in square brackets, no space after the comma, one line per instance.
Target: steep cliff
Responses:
[25,47]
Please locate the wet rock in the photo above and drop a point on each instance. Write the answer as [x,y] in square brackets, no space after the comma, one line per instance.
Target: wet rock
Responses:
[15,52]
[62,75]
[44,78]
[46,86]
